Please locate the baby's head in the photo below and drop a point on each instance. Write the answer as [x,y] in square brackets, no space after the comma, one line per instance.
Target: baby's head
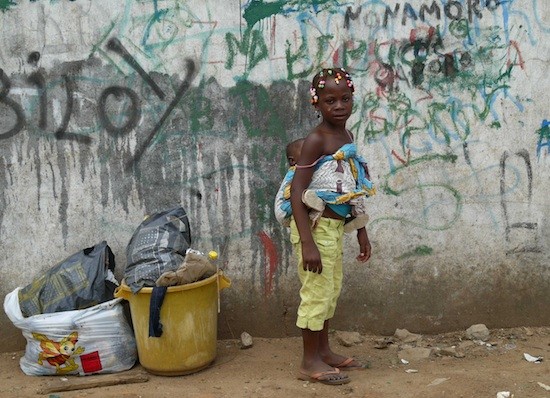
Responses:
[293,151]
[338,75]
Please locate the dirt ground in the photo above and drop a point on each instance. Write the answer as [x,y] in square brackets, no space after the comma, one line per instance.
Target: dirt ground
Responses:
[457,367]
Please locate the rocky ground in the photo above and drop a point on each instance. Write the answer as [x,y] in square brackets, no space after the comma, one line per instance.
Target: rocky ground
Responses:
[473,363]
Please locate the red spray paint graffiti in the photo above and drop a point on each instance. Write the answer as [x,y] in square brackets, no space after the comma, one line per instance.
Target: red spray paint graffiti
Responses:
[271,261]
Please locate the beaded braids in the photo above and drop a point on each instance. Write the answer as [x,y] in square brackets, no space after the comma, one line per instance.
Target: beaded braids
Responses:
[319,81]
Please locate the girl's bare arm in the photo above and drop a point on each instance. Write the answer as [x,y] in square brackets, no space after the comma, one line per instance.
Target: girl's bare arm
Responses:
[311,151]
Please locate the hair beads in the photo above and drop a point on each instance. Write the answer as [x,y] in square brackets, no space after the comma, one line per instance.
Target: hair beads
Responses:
[319,81]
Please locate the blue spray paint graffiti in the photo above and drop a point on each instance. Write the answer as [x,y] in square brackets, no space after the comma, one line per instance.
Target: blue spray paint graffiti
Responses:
[544,138]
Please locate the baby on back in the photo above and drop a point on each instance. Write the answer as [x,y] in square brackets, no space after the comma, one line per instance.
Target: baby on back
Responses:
[326,191]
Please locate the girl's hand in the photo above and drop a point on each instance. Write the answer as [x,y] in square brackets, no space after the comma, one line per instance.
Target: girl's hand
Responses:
[311,258]
[364,245]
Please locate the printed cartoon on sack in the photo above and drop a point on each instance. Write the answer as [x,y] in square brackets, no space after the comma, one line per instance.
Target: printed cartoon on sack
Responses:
[59,353]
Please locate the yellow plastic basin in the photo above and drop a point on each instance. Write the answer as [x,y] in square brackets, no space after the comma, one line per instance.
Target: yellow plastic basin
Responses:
[189,318]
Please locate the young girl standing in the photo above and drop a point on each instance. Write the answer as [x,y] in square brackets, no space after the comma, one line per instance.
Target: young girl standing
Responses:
[319,248]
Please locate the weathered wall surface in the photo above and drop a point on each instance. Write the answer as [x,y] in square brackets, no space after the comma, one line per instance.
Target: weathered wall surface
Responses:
[110,110]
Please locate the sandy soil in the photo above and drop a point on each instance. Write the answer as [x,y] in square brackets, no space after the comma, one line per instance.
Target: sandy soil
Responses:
[269,368]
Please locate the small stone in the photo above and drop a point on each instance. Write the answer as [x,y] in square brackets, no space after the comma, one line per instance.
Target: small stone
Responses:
[348,339]
[246,340]
[384,342]
[465,344]
[393,347]
[478,332]
[414,354]
[407,337]
[451,352]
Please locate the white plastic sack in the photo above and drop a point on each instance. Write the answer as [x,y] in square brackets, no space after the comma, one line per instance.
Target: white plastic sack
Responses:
[89,341]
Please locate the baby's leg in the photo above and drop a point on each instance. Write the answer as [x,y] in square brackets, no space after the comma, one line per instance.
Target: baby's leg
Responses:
[314,217]
[359,206]
[359,216]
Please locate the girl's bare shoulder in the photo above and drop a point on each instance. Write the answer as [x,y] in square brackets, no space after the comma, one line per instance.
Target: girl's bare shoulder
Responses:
[313,147]
[325,140]
[315,136]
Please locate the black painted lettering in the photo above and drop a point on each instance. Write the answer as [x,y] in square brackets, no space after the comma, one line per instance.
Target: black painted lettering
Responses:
[389,13]
[372,20]
[135,109]
[33,58]
[38,80]
[473,9]
[16,108]
[434,8]
[115,45]
[417,72]
[408,12]
[184,86]
[453,10]
[528,243]
[350,15]
[61,133]
[449,66]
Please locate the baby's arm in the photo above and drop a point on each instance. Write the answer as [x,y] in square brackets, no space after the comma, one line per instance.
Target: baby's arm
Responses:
[364,245]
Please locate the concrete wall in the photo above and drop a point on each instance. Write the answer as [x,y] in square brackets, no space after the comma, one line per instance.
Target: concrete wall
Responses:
[110,110]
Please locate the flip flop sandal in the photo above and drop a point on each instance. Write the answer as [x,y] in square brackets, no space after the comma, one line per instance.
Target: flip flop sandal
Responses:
[327,377]
[346,364]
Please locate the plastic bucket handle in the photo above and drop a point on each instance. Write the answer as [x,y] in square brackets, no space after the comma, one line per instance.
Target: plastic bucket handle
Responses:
[223,281]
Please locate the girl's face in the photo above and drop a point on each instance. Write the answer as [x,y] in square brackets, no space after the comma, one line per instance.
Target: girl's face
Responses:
[335,101]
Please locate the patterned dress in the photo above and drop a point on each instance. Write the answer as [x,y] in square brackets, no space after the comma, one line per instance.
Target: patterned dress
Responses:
[340,178]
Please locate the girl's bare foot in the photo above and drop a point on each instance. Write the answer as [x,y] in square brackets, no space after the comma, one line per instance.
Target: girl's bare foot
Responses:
[343,363]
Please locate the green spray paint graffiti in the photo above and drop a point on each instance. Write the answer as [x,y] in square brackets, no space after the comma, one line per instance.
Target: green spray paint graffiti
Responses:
[418,251]
[474,65]
[431,88]
[6,4]
[252,43]
[258,114]
[439,81]
[439,203]
[258,10]
[252,46]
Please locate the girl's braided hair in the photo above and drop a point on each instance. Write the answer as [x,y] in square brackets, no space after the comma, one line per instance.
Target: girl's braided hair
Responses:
[319,81]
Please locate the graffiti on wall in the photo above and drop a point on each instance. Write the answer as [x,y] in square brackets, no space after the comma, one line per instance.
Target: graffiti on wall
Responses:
[115,45]
[429,75]
[134,110]
[543,142]
[6,4]
[518,222]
